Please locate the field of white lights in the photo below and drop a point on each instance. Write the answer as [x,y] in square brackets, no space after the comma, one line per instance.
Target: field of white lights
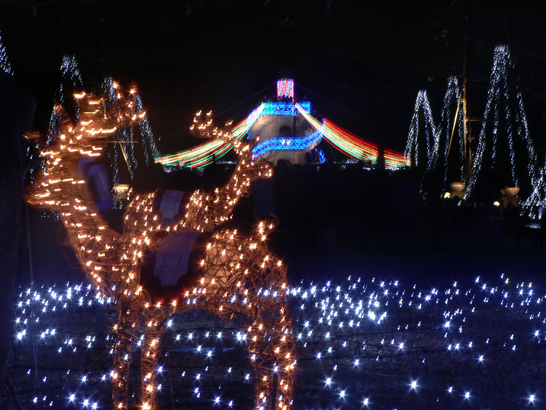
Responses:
[362,343]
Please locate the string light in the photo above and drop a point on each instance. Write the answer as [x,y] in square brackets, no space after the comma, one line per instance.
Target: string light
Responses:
[285,88]
[348,143]
[5,64]
[146,132]
[395,160]
[493,320]
[352,145]
[233,265]
[70,72]
[533,207]
[420,145]
[307,142]
[205,153]
[504,97]
[285,108]
[124,139]
[449,140]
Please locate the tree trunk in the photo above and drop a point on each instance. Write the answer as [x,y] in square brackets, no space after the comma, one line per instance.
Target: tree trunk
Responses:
[17,107]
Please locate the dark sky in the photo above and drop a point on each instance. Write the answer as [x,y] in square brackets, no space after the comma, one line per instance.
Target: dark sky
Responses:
[360,62]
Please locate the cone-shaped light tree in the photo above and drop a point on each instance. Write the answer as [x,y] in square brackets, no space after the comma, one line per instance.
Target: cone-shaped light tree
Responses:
[505,155]
[422,135]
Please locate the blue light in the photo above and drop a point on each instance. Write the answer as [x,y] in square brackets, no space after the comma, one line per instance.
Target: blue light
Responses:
[285,108]
[287,144]
[321,156]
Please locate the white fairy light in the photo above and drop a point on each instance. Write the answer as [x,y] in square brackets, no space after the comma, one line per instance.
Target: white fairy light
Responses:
[432,316]
[505,118]
[450,136]
[420,145]
[5,64]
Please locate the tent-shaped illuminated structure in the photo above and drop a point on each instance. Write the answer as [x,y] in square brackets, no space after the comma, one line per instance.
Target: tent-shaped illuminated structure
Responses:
[285,129]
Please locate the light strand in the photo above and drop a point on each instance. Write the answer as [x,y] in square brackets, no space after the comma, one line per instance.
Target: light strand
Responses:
[420,145]
[504,97]
[5,64]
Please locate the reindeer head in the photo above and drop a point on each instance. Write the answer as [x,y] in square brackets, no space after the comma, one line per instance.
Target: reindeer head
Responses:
[77,141]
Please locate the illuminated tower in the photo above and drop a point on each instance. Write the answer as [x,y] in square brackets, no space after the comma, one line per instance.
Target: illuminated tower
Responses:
[282,130]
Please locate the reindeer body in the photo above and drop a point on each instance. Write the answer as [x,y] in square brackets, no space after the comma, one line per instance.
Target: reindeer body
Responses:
[239,280]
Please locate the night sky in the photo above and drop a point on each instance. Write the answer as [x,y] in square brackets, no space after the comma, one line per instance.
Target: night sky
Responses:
[361,63]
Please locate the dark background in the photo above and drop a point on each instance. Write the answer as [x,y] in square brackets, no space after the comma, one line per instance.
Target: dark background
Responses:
[361,63]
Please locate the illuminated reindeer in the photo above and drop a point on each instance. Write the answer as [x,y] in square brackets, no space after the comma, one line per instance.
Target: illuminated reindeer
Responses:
[230,275]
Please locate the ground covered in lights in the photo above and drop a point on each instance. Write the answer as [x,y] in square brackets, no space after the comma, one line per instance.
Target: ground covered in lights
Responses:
[362,344]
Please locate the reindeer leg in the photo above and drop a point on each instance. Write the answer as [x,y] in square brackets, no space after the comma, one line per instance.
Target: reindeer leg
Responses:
[123,351]
[273,346]
[151,350]
[284,348]
[262,359]
[246,286]
[260,351]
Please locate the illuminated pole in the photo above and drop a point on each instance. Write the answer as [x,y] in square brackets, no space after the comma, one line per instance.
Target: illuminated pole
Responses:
[467,120]
[467,138]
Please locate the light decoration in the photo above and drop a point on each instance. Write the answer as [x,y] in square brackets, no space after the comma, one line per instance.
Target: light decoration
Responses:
[534,206]
[395,160]
[505,131]
[239,280]
[352,145]
[285,88]
[420,145]
[70,72]
[123,140]
[342,139]
[5,64]
[203,154]
[449,141]
[285,108]
[219,144]
[203,127]
[240,130]
[322,157]
[484,321]
[146,133]
[307,142]
[72,81]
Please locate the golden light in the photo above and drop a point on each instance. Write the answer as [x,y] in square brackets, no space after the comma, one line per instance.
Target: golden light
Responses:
[230,263]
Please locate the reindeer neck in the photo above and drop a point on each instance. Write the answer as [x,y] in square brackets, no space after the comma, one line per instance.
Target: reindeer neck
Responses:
[207,210]
[62,189]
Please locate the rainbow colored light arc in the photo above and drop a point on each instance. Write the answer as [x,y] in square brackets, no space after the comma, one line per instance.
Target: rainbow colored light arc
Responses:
[343,140]
[203,154]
